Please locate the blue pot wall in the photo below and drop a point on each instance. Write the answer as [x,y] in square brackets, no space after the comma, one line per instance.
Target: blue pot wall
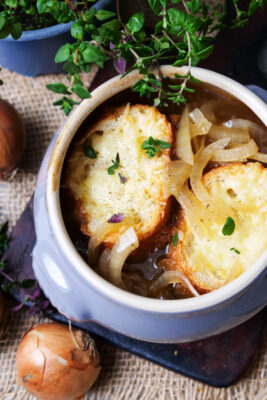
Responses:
[34,52]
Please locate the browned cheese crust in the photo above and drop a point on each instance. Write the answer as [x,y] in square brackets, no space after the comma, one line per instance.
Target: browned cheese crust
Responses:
[98,195]
[244,188]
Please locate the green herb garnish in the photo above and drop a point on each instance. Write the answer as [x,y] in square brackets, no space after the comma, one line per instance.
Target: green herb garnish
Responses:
[89,151]
[115,165]
[181,36]
[175,240]
[228,227]
[153,146]
[235,250]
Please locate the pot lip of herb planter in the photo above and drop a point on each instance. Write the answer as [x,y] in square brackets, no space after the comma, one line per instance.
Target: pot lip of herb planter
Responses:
[99,95]
[42,33]
[54,30]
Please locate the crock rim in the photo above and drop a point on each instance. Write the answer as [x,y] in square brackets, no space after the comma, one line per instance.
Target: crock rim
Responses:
[106,90]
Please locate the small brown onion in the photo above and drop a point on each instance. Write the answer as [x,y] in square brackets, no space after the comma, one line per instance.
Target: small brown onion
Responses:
[12,138]
[56,363]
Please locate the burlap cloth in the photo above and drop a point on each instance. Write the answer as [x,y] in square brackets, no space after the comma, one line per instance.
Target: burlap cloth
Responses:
[124,376]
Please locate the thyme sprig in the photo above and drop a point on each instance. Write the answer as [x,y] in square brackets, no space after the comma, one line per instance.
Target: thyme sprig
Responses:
[182,36]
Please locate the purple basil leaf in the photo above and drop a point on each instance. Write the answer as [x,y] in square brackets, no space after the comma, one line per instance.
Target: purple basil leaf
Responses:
[116,218]
[44,304]
[123,179]
[120,65]
[18,307]
[35,294]
[125,38]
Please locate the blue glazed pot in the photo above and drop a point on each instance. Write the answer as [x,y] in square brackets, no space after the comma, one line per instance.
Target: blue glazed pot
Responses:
[34,52]
[79,293]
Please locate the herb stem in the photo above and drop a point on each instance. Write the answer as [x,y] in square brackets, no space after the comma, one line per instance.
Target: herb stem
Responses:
[189,52]
[118,10]
[186,8]
[75,60]
[170,39]
[107,52]
[138,59]
[85,5]
[5,275]
[73,8]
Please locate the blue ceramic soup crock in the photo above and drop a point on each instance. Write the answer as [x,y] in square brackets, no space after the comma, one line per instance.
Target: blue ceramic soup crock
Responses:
[34,52]
[78,292]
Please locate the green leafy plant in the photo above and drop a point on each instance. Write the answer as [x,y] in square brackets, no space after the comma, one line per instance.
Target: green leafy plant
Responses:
[182,36]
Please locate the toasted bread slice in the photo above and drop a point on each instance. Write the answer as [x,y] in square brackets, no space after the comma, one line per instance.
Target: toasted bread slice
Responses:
[212,260]
[133,186]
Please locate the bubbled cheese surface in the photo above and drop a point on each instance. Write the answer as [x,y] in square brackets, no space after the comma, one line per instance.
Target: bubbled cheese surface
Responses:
[101,195]
[209,260]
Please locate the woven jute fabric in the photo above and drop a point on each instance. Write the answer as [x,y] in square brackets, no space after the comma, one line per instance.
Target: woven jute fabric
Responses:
[124,376]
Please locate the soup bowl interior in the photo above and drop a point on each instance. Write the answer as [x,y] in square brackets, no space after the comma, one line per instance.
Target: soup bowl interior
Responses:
[78,265]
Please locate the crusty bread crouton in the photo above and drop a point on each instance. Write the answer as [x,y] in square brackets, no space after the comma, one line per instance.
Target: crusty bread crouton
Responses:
[215,258]
[132,189]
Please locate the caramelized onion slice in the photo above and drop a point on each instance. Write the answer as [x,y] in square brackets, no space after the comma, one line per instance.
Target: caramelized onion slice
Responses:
[183,146]
[177,173]
[198,216]
[198,143]
[236,135]
[237,153]
[208,108]
[200,125]
[97,238]
[123,116]
[192,207]
[257,132]
[111,261]
[260,157]
[202,159]
[169,277]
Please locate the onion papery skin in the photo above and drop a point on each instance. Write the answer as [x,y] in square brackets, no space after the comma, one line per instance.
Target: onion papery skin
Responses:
[51,366]
[12,138]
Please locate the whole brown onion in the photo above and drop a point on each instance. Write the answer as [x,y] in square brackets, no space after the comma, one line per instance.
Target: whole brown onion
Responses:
[55,363]
[12,138]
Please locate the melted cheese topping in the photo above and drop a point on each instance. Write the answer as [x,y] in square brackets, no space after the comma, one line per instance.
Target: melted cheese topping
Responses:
[210,258]
[141,198]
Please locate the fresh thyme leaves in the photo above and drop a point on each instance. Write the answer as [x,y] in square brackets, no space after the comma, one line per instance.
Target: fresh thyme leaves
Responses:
[123,179]
[235,250]
[115,165]
[89,151]
[153,146]
[228,227]
[181,37]
[175,240]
